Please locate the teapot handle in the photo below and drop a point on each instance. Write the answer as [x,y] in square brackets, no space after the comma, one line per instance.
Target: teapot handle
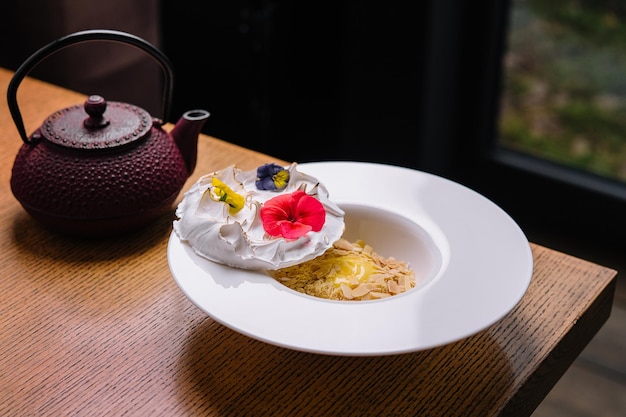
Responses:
[83,36]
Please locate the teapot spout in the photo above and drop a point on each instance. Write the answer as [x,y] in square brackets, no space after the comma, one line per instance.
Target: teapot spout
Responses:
[185,134]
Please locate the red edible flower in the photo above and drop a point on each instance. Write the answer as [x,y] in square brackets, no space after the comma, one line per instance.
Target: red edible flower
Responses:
[292,215]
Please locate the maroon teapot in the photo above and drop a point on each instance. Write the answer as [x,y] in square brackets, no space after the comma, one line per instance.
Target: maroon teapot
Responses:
[102,167]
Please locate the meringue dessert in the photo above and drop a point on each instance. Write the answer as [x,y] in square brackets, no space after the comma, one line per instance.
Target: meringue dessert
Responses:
[264,219]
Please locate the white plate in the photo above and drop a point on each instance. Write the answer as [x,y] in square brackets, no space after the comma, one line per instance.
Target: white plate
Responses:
[472,261]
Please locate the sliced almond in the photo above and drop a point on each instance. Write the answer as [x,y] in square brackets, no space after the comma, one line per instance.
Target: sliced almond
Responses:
[360,291]
[347,291]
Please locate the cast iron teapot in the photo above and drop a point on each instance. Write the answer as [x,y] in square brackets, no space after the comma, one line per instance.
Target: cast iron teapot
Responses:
[102,167]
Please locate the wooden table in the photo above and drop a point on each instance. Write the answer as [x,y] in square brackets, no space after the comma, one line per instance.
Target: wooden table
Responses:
[99,327]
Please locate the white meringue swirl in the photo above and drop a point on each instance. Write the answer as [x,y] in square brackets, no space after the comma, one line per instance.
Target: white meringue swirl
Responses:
[239,240]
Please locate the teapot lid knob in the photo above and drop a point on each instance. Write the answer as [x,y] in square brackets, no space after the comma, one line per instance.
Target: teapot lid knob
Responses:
[95,106]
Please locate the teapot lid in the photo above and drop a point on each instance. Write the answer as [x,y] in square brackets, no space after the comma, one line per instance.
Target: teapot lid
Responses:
[97,124]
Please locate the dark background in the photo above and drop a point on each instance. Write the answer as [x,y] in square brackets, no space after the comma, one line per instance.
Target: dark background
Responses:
[300,80]
[344,80]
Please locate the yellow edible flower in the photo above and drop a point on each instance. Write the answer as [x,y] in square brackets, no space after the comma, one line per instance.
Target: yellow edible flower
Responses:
[222,192]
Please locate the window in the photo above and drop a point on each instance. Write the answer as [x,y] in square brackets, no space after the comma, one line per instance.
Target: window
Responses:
[534,116]
[564,90]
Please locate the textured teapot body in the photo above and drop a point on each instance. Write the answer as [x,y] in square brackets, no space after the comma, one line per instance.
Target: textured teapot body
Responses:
[98,192]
